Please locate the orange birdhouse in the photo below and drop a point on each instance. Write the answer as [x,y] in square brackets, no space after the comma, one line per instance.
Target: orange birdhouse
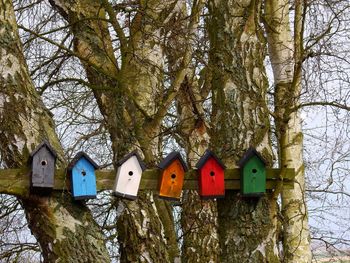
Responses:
[172,178]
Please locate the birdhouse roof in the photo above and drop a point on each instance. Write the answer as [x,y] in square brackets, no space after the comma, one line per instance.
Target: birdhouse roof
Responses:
[80,155]
[128,156]
[249,154]
[170,158]
[205,158]
[44,144]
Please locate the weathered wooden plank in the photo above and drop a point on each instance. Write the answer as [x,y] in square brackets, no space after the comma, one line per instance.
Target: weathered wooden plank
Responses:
[152,184]
[16,181]
[271,173]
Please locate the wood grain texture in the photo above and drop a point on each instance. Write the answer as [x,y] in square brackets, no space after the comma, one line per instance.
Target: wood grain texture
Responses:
[212,181]
[172,180]
[16,181]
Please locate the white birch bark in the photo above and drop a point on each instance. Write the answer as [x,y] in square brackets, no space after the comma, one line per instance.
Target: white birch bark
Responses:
[58,223]
[198,218]
[247,227]
[296,240]
[129,102]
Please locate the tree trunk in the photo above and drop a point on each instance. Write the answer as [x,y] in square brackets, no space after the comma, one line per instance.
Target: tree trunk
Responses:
[142,75]
[199,225]
[127,102]
[285,55]
[65,229]
[198,217]
[247,226]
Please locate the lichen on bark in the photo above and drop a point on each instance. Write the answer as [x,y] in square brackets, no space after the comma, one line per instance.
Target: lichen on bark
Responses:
[247,227]
[286,55]
[65,230]
[24,123]
[128,105]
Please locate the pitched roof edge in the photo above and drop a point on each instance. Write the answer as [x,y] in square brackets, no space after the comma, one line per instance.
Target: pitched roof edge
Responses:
[78,156]
[206,156]
[46,144]
[171,157]
[128,156]
[248,154]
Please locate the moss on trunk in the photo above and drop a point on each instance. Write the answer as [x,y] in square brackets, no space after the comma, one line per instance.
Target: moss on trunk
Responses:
[65,229]
[127,102]
[247,227]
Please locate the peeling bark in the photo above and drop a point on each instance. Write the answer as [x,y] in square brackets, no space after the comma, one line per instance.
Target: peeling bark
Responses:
[199,225]
[247,227]
[137,226]
[65,230]
[58,223]
[198,217]
[127,102]
[285,56]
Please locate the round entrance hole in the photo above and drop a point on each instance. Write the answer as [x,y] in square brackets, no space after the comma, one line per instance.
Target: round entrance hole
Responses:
[131,173]
[43,162]
[254,171]
[212,173]
[83,173]
[173,176]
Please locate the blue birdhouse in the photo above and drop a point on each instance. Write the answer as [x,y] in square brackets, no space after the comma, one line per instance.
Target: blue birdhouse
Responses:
[83,179]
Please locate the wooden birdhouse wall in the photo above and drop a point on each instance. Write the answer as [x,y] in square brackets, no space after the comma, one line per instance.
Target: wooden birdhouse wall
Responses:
[172,180]
[254,176]
[43,168]
[211,179]
[128,178]
[83,179]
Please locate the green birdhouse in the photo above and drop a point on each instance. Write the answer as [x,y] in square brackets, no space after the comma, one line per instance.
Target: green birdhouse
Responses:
[253,173]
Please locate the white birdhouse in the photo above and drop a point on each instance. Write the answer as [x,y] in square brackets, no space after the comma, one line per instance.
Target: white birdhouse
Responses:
[128,178]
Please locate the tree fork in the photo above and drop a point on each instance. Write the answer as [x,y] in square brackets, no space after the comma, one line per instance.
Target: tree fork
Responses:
[24,123]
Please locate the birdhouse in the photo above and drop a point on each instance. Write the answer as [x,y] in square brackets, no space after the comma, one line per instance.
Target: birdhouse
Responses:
[172,178]
[83,179]
[129,174]
[211,176]
[43,160]
[253,173]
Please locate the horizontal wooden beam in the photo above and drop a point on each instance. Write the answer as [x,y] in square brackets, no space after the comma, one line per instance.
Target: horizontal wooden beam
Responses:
[17,181]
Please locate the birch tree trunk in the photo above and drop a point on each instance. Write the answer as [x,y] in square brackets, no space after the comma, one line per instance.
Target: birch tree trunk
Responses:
[65,229]
[286,56]
[198,218]
[247,227]
[130,109]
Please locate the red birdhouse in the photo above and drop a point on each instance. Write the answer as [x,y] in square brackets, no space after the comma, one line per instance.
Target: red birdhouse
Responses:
[211,176]
[172,178]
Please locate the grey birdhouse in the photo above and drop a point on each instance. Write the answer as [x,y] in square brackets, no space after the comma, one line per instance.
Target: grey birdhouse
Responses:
[43,160]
